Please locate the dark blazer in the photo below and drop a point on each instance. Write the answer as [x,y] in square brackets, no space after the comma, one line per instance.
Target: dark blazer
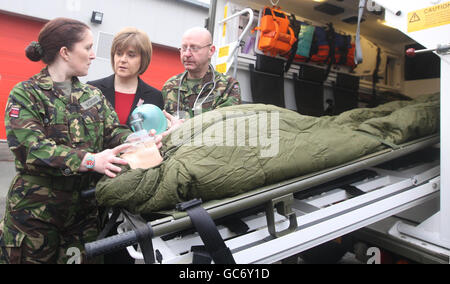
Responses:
[144,91]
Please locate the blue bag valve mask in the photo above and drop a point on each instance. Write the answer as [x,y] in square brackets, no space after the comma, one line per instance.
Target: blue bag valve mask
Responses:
[151,116]
[137,125]
[144,153]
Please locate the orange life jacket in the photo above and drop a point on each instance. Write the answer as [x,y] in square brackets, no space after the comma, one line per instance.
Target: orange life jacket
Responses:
[277,36]
[320,50]
[344,49]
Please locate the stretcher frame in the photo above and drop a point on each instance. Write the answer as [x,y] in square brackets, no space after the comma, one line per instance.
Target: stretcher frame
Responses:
[260,243]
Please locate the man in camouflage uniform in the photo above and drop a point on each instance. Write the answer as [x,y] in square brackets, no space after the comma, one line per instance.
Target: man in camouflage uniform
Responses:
[46,219]
[195,86]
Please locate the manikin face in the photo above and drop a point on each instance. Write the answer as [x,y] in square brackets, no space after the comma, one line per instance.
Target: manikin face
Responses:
[127,62]
[81,55]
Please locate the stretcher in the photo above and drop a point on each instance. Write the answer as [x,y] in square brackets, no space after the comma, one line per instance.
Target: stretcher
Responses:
[275,222]
[287,218]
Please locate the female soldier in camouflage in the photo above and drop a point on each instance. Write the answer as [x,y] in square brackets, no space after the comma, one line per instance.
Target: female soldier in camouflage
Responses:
[58,129]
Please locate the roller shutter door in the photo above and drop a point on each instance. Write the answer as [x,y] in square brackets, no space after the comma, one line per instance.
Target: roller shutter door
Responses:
[15,35]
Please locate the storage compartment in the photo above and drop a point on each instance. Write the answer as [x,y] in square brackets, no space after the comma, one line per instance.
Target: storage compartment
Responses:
[267,81]
[309,91]
[345,92]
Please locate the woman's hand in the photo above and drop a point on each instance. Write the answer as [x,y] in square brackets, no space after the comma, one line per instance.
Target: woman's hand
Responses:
[174,123]
[105,161]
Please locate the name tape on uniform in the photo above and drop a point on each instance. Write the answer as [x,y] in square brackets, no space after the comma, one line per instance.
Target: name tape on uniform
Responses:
[89,103]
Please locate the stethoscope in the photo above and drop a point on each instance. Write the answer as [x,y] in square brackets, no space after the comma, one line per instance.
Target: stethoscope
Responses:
[194,107]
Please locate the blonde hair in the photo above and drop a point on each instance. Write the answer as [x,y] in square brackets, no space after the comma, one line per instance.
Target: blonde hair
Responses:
[131,36]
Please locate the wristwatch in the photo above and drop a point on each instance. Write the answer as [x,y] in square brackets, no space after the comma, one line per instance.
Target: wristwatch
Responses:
[90,161]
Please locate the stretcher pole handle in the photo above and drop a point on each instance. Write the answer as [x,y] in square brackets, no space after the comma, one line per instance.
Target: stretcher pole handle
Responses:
[411,52]
[440,49]
[110,244]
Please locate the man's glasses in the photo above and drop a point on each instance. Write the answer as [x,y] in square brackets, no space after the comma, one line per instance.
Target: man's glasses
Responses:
[193,48]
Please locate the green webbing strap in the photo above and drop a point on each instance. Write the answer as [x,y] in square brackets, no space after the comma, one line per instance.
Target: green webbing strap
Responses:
[42,181]
[64,183]
[208,232]
[389,144]
[296,28]
[331,37]
[110,224]
[144,234]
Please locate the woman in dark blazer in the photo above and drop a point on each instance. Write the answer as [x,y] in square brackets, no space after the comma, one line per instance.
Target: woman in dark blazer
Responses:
[131,53]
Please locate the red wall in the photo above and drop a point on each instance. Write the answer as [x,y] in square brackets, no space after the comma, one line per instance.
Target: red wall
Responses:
[17,32]
[15,35]
[165,63]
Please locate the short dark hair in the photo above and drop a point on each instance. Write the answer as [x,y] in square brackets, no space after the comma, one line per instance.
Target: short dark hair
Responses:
[55,34]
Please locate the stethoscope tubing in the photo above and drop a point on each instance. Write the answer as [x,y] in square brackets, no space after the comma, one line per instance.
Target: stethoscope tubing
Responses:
[201,91]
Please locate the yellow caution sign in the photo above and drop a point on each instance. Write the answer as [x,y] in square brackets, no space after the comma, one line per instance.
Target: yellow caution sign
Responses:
[430,17]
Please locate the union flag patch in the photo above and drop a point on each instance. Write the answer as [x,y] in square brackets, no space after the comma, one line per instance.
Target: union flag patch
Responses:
[14,112]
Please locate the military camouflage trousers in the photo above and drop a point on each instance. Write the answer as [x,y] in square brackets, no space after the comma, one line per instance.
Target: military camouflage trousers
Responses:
[43,225]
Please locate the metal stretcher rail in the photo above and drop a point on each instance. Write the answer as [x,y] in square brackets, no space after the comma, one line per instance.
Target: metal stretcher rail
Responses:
[258,197]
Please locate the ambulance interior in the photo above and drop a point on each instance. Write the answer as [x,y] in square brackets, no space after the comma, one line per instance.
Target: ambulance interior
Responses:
[319,86]
[388,33]
[394,71]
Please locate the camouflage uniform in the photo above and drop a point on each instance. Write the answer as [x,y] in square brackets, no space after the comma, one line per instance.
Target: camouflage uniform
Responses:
[46,221]
[227,92]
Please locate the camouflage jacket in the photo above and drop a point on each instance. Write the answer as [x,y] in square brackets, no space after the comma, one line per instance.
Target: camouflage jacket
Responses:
[226,93]
[49,133]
